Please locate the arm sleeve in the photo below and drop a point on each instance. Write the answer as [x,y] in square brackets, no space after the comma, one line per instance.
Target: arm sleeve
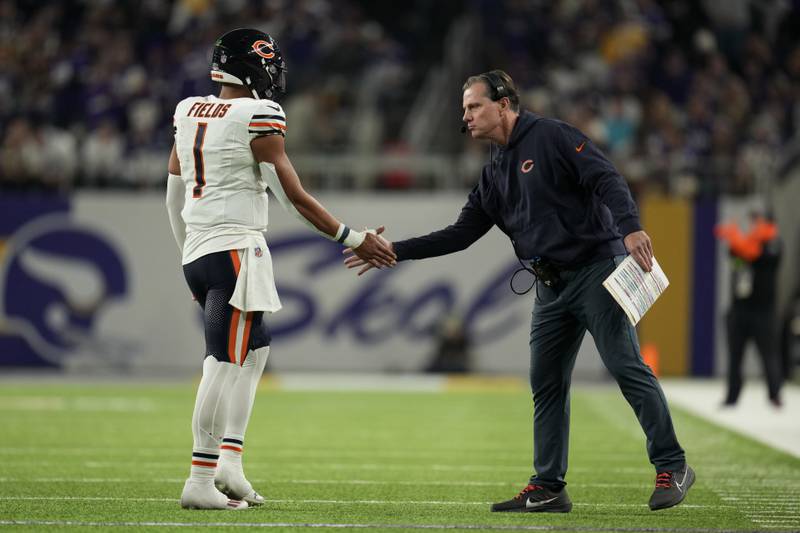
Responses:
[268,119]
[174,201]
[596,173]
[472,224]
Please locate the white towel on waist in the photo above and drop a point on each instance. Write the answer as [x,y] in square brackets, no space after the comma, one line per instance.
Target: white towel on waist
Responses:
[255,287]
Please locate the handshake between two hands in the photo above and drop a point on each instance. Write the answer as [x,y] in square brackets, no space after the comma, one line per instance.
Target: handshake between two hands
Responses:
[374,252]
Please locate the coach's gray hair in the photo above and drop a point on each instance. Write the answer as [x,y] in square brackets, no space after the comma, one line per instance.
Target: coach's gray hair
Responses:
[498,85]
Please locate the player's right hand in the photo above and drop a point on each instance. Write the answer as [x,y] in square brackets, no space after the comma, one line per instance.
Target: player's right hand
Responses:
[374,252]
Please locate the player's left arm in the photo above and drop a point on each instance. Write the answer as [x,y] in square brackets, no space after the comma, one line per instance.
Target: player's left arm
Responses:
[175,199]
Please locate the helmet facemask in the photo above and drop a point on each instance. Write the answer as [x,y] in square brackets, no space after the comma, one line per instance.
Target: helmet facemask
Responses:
[272,87]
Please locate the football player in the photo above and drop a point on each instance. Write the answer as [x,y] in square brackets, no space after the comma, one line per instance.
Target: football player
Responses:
[228,150]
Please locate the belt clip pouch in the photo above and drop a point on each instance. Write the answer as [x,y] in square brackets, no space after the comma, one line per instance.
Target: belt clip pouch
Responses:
[547,273]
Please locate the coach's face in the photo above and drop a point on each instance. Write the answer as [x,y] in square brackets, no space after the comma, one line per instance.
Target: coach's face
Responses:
[482,116]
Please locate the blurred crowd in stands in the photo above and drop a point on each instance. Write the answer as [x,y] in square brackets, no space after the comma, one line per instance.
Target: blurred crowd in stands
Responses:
[689,97]
[693,97]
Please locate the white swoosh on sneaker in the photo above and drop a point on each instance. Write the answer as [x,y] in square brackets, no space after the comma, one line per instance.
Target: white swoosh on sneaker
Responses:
[531,504]
[680,485]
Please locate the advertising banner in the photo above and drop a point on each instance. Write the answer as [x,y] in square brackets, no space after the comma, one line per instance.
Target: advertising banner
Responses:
[93,282]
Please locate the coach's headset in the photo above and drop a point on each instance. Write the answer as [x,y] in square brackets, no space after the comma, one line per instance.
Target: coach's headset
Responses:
[497,88]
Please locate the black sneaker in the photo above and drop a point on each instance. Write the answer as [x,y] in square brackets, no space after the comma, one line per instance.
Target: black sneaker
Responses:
[671,488]
[536,499]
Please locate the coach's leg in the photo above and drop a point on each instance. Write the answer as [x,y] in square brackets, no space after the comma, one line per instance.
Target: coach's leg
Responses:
[230,473]
[616,341]
[555,339]
[619,348]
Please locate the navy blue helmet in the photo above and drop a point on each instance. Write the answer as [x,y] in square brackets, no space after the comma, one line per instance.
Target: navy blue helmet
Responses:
[250,58]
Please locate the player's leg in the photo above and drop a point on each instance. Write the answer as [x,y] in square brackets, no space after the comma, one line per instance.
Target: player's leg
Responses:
[230,477]
[210,283]
[207,427]
[618,345]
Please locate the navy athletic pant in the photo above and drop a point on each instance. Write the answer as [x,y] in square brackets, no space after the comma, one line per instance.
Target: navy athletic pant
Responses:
[560,320]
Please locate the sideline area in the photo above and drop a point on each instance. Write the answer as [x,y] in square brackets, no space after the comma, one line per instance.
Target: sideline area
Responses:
[753,415]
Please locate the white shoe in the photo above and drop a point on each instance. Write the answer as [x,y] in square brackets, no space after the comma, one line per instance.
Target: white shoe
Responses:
[203,496]
[233,484]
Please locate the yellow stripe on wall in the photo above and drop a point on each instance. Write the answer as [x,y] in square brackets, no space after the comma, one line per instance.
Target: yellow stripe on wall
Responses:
[667,324]
[484,383]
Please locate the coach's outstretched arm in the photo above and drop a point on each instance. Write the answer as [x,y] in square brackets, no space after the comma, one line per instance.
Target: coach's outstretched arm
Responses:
[278,172]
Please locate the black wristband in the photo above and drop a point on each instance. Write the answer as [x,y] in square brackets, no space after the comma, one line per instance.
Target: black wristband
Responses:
[345,233]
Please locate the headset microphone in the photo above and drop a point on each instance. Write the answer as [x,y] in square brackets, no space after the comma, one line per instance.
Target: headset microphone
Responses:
[463,129]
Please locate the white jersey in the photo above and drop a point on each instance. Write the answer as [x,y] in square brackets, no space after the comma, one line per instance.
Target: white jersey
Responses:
[225,201]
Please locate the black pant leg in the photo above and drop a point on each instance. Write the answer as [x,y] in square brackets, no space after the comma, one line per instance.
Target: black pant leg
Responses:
[737,338]
[618,344]
[764,335]
[555,339]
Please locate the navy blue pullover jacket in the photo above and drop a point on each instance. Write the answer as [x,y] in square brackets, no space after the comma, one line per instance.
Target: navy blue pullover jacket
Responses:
[551,191]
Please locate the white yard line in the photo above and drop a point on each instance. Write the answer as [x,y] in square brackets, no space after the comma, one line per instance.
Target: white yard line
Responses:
[338,502]
[513,484]
[791,495]
[777,476]
[522,469]
[377,526]
[301,453]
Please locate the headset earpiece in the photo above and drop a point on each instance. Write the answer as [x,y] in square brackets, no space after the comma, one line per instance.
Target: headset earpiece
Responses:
[497,88]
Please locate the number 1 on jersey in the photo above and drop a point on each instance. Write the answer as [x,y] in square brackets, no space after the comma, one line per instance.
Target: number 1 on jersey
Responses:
[199,167]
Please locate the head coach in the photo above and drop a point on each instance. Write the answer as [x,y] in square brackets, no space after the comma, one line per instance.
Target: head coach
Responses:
[571,220]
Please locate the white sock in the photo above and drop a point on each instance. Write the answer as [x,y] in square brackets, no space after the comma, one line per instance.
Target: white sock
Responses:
[243,394]
[208,420]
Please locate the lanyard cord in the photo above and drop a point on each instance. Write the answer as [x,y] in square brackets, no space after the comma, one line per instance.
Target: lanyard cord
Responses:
[534,283]
[524,268]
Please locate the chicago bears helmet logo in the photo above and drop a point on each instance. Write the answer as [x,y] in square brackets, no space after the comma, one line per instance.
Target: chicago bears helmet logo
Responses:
[260,45]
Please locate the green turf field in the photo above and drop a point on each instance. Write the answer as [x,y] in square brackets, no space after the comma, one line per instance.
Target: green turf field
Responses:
[114,457]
